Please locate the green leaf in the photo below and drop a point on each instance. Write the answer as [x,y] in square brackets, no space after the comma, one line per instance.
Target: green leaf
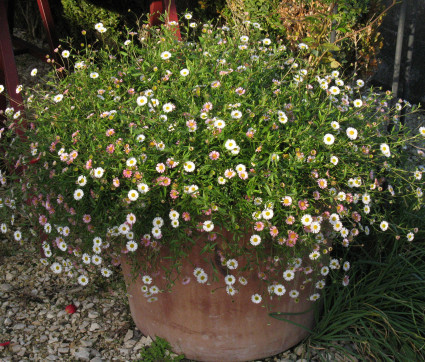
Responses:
[331,47]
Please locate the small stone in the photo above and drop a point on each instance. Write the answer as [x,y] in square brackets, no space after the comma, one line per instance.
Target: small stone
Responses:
[50,315]
[301,360]
[124,351]
[6,288]
[138,345]
[16,348]
[87,342]
[96,359]
[63,350]
[130,343]
[88,306]
[94,326]
[128,335]
[9,277]
[93,314]
[82,354]
[300,350]
[7,322]
[94,353]
[52,357]
[43,338]
[146,341]
[19,326]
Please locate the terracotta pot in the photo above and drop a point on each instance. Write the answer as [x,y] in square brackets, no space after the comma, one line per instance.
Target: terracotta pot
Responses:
[204,323]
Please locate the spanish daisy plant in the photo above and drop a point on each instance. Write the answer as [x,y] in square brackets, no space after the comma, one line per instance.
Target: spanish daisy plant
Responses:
[155,144]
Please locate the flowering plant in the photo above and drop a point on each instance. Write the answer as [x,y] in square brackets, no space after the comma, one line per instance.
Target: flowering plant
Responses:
[152,144]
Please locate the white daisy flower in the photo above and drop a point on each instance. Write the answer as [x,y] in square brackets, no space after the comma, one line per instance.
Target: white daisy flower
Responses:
[83,280]
[106,272]
[158,222]
[229,279]
[267,214]
[141,101]
[288,275]
[147,279]
[98,172]
[56,268]
[351,133]
[279,289]
[324,270]
[82,180]
[57,98]
[78,194]
[131,245]
[255,240]
[385,149]
[189,166]
[358,103]
[168,107]
[219,123]
[232,264]
[306,220]
[133,195]
[208,225]
[165,55]
[294,293]
[184,72]
[383,225]
[143,188]
[230,144]
[96,259]
[328,139]
[86,258]
[174,215]
[256,298]
[235,114]
[202,277]
[17,235]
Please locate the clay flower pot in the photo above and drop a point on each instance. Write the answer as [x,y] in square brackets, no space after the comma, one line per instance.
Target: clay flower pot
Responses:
[206,324]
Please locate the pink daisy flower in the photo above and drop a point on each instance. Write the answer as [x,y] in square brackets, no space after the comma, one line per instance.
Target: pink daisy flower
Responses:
[214,155]
[186,216]
[258,226]
[174,194]
[303,204]
[160,167]
[274,231]
[127,173]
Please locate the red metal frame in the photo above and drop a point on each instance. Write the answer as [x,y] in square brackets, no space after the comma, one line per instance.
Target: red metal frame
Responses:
[8,72]
[158,7]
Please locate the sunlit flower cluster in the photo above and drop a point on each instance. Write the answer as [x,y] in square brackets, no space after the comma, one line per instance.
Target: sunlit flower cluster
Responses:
[170,145]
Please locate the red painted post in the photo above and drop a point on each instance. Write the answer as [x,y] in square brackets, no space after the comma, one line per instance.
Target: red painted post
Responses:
[158,7]
[170,7]
[8,66]
[49,26]
[155,10]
